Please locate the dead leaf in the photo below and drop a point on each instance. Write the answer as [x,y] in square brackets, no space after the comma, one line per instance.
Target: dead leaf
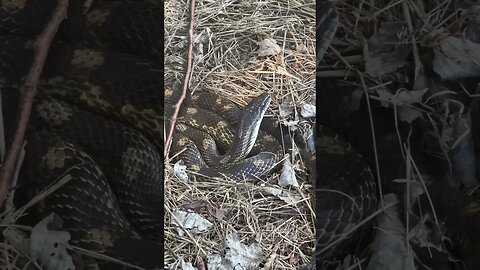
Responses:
[472,31]
[18,239]
[389,251]
[301,48]
[462,152]
[287,176]
[187,265]
[308,110]
[423,81]
[415,188]
[385,63]
[180,171]
[384,56]
[408,115]
[49,245]
[191,221]
[181,265]
[426,236]
[355,99]
[401,99]
[386,38]
[268,47]
[287,112]
[283,195]
[457,58]
[237,256]
[194,205]
[219,214]
[285,109]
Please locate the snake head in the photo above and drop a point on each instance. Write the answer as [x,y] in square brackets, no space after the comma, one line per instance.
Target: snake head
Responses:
[256,108]
[251,119]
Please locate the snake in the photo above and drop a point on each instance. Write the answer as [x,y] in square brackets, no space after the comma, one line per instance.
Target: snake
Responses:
[245,149]
[92,125]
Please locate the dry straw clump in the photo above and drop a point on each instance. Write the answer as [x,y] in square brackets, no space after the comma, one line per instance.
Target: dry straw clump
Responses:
[229,61]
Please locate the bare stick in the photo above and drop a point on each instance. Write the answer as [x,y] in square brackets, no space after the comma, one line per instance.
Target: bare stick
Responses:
[416,57]
[2,130]
[374,140]
[188,73]
[28,91]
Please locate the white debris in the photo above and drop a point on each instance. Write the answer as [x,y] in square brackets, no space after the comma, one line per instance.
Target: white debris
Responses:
[180,171]
[191,221]
[457,58]
[268,47]
[308,110]
[237,256]
[181,265]
[50,245]
[287,176]
[389,251]
[283,195]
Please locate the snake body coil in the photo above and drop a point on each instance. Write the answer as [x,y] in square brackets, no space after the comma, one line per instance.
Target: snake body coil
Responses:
[194,140]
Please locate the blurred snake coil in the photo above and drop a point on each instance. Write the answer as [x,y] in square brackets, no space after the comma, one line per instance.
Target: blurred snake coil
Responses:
[98,120]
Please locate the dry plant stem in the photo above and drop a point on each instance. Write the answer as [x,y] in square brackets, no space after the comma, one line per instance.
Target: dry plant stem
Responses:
[188,74]
[407,196]
[42,195]
[2,131]
[9,202]
[204,253]
[341,73]
[354,228]
[28,91]
[374,140]
[416,57]
[97,255]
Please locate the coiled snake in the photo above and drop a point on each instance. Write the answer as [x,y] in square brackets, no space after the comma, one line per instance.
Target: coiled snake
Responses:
[81,93]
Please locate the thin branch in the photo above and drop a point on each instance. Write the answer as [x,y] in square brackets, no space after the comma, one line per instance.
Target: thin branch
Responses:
[28,91]
[416,57]
[2,131]
[188,74]
[374,140]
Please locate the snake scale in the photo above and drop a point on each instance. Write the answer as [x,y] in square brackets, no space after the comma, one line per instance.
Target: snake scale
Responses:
[99,116]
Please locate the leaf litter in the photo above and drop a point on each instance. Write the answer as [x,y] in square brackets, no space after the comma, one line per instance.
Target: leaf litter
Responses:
[419,60]
[251,48]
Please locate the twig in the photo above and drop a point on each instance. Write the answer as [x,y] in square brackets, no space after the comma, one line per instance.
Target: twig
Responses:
[374,140]
[188,73]
[62,180]
[339,73]
[9,206]
[104,257]
[416,57]
[2,131]
[356,227]
[28,91]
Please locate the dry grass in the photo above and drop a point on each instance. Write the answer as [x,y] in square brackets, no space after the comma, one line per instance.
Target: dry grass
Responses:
[425,23]
[230,67]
